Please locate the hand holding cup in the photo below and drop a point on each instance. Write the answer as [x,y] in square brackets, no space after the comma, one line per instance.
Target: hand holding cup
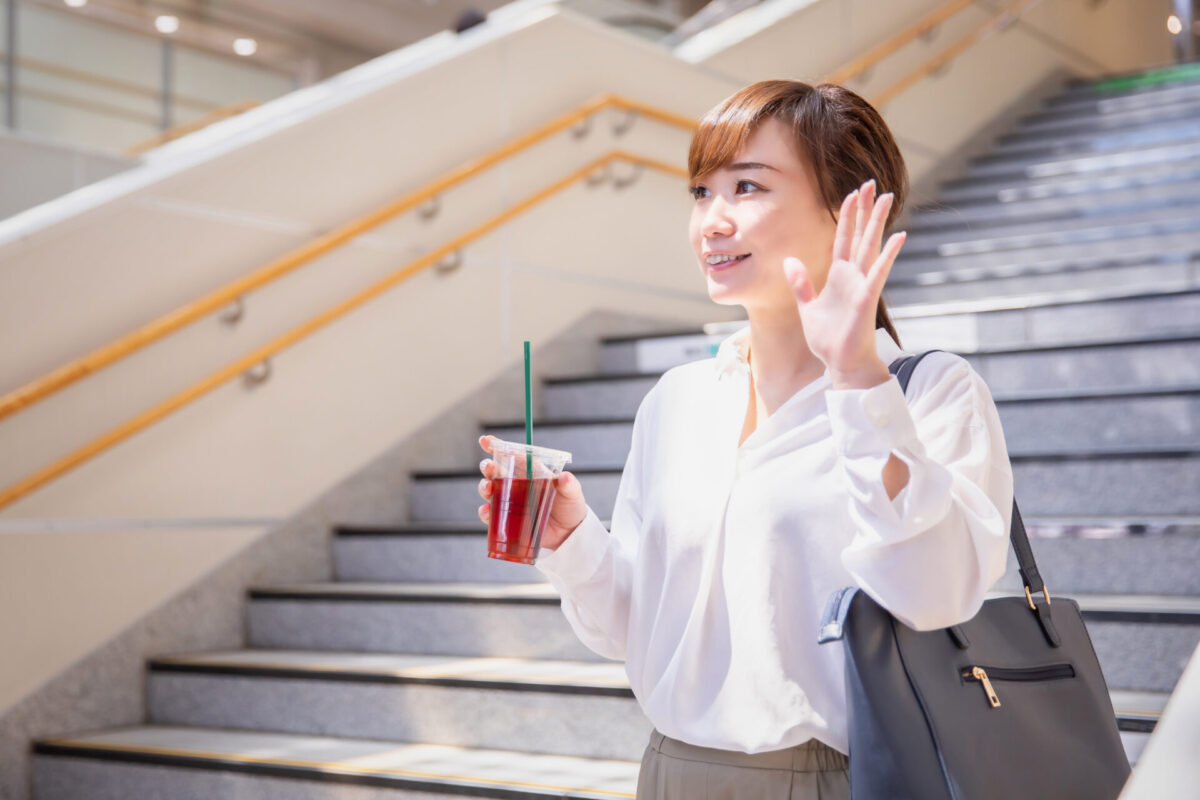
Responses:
[566,513]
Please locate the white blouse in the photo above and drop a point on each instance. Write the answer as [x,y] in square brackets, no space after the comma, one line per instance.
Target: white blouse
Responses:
[712,582]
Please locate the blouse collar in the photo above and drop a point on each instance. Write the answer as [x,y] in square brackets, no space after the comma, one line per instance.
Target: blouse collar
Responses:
[731,357]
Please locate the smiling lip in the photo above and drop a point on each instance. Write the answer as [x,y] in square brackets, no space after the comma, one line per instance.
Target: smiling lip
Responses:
[726,264]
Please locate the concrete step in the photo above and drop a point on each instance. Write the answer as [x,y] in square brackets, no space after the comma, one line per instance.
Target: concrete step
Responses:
[1099,481]
[1065,137]
[562,707]
[1045,166]
[1143,641]
[1053,212]
[1089,101]
[455,552]
[1177,124]
[456,619]
[1100,560]
[1015,280]
[1156,554]
[967,326]
[1140,239]
[1074,422]
[1120,363]
[999,191]
[192,763]
[1176,78]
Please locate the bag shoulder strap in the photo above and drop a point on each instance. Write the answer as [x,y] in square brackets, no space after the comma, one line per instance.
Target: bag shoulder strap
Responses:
[903,368]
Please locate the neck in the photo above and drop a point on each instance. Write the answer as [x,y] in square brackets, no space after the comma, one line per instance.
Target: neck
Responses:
[780,359]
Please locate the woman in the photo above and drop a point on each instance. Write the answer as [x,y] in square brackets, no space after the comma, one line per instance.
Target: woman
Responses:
[761,480]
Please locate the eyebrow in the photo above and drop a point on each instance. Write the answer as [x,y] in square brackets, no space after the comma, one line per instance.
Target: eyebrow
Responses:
[751,165]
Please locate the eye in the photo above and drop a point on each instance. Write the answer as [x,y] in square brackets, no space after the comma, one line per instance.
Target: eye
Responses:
[695,190]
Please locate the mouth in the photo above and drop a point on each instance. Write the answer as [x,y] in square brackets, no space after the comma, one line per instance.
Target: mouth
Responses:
[726,264]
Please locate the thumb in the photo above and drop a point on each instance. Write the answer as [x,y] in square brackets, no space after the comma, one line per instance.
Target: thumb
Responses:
[797,277]
[568,486]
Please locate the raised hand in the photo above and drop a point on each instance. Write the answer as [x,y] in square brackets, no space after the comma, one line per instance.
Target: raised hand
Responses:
[839,322]
[566,512]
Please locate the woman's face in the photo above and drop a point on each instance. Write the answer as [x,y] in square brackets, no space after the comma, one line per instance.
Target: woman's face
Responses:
[769,212]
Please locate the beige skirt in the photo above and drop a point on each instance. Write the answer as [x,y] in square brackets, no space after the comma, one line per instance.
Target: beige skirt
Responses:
[675,770]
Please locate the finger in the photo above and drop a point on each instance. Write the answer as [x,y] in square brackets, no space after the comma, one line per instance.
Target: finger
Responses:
[485,466]
[845,228]
[866,202]
[484,511]
[485,489]
[883,265]
[485,442]
[567,485]
[873,235]
[797,277]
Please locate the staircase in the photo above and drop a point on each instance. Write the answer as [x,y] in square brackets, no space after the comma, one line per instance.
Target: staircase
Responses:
[1065,266]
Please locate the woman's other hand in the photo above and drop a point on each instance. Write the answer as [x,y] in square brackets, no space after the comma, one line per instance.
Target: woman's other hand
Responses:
[568,510]
[839,323]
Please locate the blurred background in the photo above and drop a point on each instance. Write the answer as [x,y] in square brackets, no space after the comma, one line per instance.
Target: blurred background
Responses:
[266,268]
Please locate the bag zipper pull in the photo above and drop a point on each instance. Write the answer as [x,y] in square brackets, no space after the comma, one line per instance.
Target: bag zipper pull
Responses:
[980,675]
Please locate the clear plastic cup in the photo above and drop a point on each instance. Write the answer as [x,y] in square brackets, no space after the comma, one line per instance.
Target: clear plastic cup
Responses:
[520,501]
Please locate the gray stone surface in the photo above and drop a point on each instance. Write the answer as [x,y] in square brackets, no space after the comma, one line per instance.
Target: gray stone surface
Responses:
[437,557]
[1160,564]
[1122,366]
[1058,229]
[1143,656]
[1009,254]
[469,629]
[596,399]
[534,721]
[1113,486]
[1074,425]
[1099,276]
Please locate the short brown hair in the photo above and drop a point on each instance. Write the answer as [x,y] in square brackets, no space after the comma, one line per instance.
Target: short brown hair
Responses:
[841,137]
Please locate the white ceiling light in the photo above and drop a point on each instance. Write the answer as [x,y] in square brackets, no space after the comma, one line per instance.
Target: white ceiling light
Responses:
[1174,26]
[167,23]
[76,3]
[244,47]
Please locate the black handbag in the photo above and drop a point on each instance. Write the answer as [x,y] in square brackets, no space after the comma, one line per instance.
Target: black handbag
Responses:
[1010,705]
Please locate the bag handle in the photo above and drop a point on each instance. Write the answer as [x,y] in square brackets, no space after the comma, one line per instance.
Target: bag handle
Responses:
[903,368]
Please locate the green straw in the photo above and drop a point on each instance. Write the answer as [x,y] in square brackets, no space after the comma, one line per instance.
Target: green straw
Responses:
[528,418]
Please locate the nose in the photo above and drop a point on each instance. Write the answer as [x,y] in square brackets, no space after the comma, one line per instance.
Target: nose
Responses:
[716,220]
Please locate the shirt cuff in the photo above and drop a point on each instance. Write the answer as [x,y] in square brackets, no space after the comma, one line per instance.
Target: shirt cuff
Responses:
[580,555]
[869,422]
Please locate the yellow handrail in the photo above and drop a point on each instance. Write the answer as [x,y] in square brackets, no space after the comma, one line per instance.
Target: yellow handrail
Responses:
[876,54]
[233,369]
[994,24]
[171,134]
[148,334]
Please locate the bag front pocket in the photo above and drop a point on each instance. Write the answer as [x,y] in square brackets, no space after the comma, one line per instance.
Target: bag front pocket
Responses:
[985,676]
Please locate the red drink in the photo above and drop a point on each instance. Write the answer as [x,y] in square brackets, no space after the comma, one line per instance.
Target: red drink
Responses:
[520,509]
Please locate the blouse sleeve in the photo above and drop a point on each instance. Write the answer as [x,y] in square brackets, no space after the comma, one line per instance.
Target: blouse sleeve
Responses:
[593,568]
[930,554]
